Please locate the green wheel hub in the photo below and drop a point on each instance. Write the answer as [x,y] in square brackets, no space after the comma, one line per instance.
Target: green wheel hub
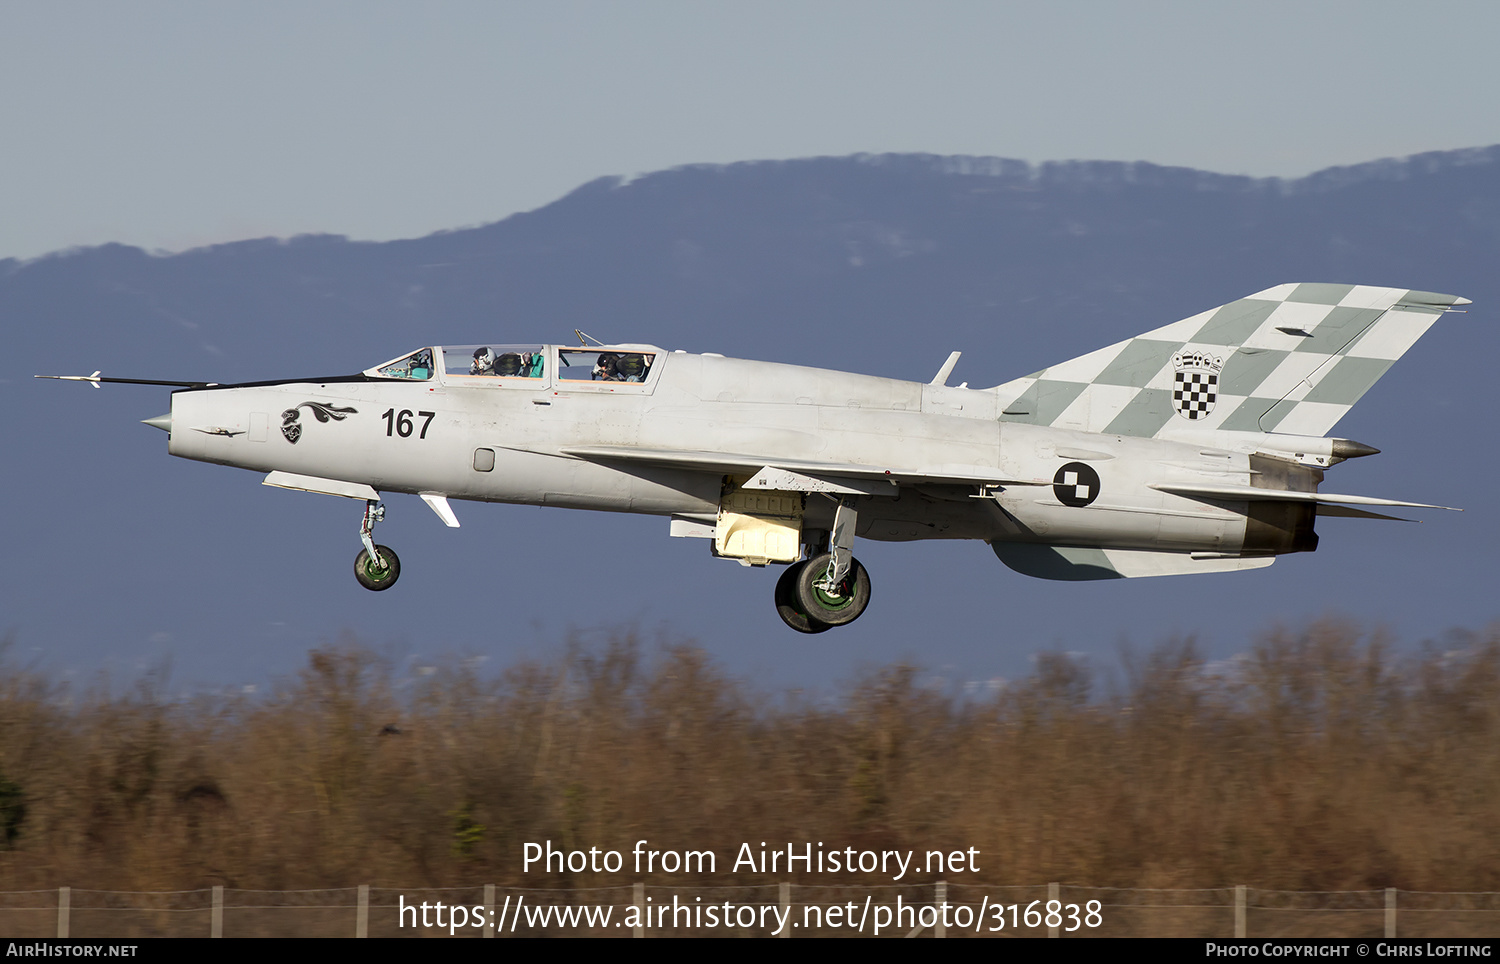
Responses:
[832,605]
[370,573]
[835,600]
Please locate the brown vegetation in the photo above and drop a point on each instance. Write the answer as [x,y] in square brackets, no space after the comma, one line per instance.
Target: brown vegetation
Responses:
[1318,761]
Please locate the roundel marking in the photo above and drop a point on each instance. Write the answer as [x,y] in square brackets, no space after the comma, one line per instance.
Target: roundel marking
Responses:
[1076,484]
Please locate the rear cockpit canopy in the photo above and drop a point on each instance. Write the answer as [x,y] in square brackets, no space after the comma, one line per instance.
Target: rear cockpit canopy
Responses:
[604,364]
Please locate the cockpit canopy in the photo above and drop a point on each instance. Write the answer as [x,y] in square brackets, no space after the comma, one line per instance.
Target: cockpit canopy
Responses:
[603,365]
[417,366]
[460,363]
[496,361]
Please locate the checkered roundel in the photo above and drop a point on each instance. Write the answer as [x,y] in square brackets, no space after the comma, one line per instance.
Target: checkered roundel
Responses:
[1195,386]
[1076,484]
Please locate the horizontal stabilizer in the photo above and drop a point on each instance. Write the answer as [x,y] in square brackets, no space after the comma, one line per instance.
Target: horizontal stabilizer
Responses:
[1249,493]
[1084,563]
[1350,512]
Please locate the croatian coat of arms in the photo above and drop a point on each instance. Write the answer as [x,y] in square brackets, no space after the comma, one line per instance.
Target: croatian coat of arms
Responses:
[1195,386]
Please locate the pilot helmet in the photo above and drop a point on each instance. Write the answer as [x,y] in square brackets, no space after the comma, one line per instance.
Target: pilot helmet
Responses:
[508,364]
[484,359]
[607,364]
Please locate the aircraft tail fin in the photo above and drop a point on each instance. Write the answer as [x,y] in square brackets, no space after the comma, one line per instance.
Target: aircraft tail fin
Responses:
[1291,359]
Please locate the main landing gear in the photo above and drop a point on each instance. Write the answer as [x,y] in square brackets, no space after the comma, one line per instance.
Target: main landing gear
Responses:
[376,567]
[830,588]
[809,601]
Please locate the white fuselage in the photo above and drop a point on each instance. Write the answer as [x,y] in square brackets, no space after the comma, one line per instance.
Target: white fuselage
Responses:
[430,437]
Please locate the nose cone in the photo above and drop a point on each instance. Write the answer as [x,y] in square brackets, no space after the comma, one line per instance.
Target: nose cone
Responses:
[163,422]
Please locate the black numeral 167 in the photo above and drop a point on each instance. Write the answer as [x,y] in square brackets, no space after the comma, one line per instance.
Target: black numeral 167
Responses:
[400,422]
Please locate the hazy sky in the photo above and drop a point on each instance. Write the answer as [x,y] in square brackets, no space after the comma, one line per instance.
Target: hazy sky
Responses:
[171,125]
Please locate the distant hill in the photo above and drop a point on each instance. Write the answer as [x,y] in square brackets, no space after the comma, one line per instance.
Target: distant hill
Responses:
[717,257]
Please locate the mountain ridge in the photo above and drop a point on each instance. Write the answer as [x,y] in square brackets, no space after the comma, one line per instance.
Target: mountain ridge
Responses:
[1014,172]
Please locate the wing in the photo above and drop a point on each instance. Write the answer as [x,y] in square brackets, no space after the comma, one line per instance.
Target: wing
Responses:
[798,474]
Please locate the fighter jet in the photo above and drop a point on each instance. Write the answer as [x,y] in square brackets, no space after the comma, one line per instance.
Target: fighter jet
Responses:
[1198,447]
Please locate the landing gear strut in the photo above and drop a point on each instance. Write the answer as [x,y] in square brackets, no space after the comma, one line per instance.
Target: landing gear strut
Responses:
[376,567]
[829,589]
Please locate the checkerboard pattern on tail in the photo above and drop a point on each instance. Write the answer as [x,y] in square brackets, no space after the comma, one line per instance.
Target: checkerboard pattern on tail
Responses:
[1291,359]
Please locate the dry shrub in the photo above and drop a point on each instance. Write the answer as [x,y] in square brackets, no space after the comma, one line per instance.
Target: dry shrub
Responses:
[1317,761]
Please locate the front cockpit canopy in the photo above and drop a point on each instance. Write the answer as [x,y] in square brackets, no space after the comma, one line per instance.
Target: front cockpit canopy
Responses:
[417,366]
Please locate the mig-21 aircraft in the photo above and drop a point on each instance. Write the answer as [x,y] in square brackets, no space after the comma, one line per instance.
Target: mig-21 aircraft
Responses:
[1197,447]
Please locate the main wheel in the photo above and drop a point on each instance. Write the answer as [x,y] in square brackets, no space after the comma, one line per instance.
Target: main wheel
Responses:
[370,575]
[837,605]
[786,602]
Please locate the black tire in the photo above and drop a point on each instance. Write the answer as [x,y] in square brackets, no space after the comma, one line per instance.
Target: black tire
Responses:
[375,579]
[786,603]
[835,609]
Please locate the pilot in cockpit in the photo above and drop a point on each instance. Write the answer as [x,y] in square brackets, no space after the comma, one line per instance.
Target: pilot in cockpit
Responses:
[607,368]
[484,362]
[632,367]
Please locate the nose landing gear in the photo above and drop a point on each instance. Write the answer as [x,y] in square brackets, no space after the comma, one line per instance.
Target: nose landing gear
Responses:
[376,567]
[379,571]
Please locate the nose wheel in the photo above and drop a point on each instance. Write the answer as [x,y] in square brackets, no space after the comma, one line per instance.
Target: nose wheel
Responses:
[376,567]
[379,571]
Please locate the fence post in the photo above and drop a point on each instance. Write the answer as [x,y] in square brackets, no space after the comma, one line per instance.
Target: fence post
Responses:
[64,902]
[786,909]
[640,910]
[1054,892]
[1390,912]
[216,916]
[938,930]
[1239,911]
[489,911]
[362,912]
